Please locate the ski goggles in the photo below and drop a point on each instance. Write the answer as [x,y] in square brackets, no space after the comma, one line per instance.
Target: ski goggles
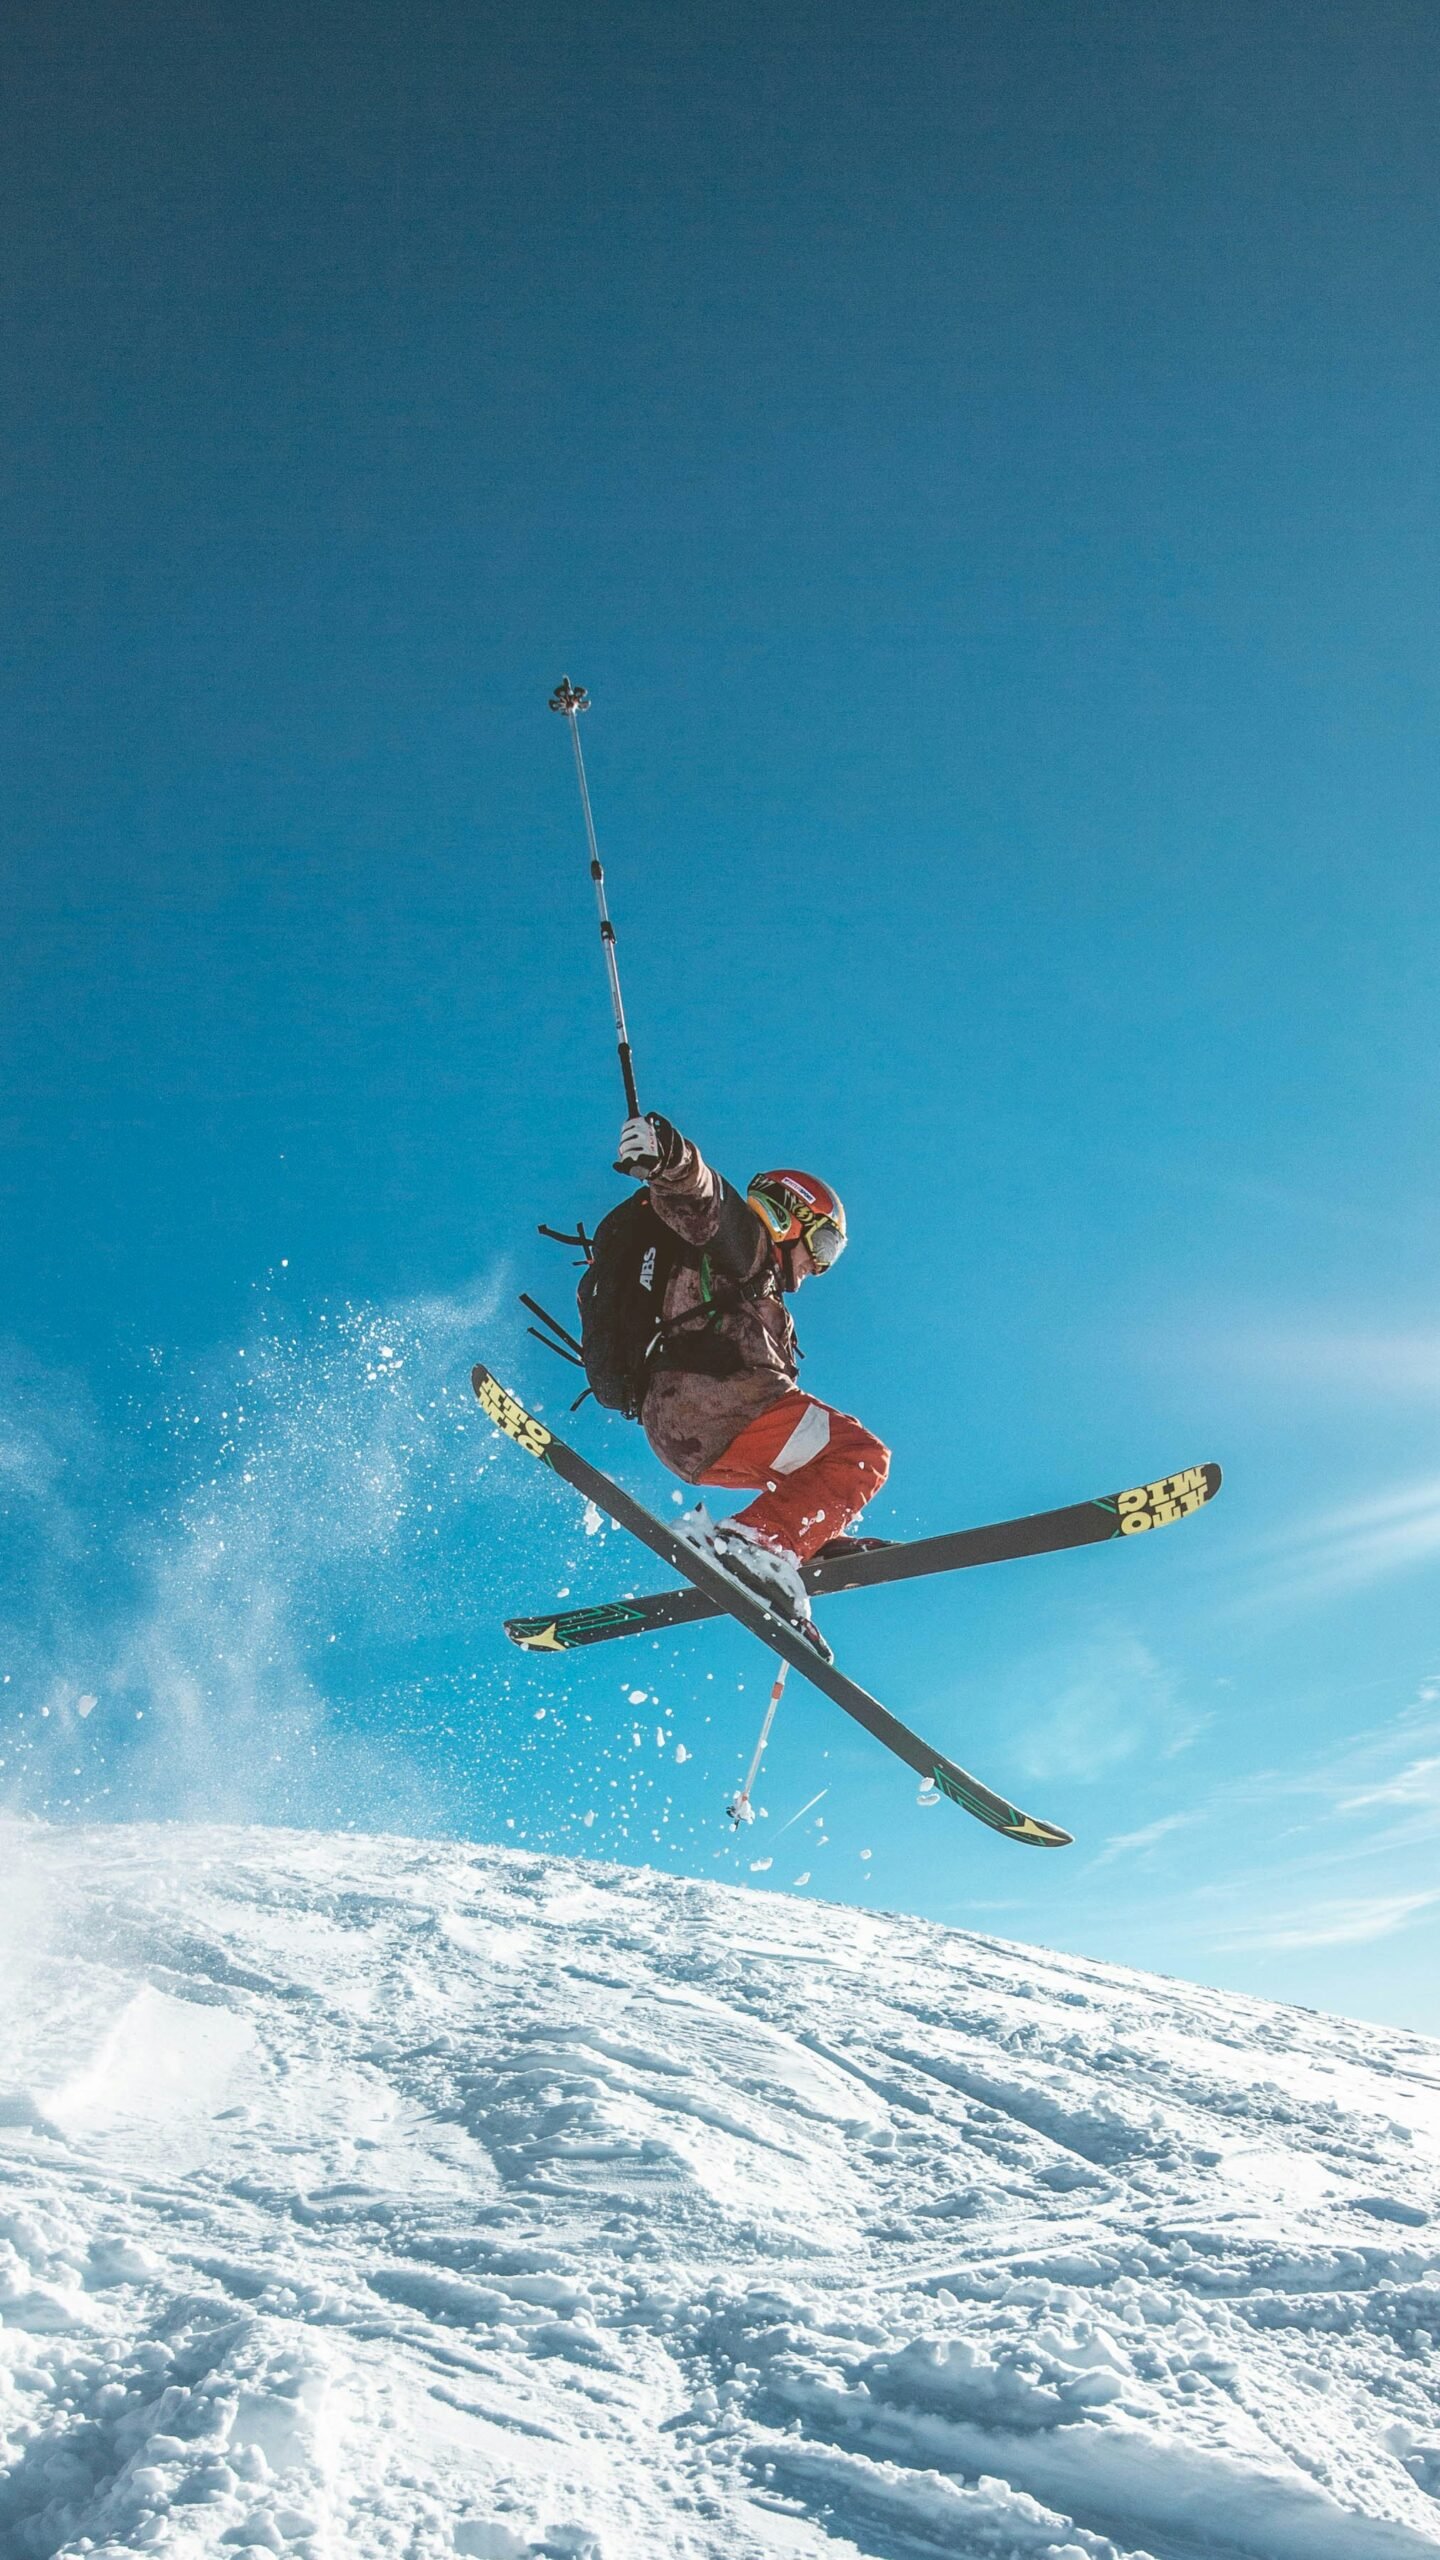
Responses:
[824,1240]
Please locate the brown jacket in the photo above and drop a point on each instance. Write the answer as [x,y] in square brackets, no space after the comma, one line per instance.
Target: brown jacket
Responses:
[689,1417]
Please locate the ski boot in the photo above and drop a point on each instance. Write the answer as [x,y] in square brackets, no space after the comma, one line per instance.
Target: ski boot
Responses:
[768,1574]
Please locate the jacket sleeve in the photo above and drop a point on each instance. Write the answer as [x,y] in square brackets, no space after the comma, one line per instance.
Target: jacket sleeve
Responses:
[709,1213]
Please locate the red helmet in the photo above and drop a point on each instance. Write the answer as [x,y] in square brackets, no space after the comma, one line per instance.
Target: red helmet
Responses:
[796,1207]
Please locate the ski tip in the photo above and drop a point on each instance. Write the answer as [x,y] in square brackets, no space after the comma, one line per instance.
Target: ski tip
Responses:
[1167,1498]
[508,1413]
[1039,1835]
[564,1629]
[535,1635]
[994,1811]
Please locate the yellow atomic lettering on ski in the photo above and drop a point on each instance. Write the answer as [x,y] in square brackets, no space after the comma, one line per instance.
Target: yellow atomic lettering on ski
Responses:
[1153,1506]
[510,1416]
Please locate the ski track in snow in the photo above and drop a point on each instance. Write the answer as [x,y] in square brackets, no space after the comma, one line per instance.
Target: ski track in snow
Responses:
[372,2196]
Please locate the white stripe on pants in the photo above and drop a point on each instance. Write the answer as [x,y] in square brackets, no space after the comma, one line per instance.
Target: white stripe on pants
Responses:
[810,1435]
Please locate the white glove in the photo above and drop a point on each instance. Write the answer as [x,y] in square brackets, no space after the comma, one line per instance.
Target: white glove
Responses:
[640,1151]
[648,1145]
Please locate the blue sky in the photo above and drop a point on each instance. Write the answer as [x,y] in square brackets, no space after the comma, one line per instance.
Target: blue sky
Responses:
[982,465]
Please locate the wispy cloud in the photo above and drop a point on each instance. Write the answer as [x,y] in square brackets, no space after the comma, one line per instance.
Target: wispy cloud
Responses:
[1341,1359]
[1392,1766]
[1416,1784]
[1346,1920]
[1326,1850]
[1346,1549]
[1128,1844]
[1280,1199]
[1086,1708]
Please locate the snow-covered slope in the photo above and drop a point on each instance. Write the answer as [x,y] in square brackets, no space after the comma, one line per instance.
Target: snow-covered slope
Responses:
[371,2196]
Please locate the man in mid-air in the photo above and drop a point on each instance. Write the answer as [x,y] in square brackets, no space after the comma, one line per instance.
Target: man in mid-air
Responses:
[722,1404]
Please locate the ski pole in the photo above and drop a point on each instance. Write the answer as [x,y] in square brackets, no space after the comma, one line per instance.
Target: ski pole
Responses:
[570,700]
[742,1809]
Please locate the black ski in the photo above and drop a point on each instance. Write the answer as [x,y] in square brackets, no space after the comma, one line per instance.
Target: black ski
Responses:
[768,1625]
[1042,1533]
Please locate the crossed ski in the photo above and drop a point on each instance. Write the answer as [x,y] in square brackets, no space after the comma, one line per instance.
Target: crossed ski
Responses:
[712,1592]
[1040,1533]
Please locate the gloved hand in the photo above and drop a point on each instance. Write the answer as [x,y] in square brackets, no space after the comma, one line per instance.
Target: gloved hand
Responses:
[648,1145]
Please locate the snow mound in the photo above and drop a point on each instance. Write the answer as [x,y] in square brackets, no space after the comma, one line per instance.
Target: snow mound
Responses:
[373,2197]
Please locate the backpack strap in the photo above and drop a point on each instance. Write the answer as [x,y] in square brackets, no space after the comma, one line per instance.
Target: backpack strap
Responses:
[720,1297]
[557,1235]
[557,1339]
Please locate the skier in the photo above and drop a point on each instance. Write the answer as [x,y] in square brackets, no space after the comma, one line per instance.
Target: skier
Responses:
[722,1404]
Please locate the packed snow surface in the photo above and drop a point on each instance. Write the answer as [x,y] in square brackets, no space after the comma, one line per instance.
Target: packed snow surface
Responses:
[369,2196]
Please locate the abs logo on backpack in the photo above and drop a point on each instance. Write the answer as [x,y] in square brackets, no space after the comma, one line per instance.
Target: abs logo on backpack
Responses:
[621,1296]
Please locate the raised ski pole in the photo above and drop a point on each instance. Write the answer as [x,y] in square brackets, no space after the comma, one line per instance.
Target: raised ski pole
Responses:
[741,1809]
[570,700]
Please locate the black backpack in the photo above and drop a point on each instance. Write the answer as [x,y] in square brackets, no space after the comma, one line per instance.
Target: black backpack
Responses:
[621,1293]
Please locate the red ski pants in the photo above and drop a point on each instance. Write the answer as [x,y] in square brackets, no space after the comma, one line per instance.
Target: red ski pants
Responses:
[817,1469]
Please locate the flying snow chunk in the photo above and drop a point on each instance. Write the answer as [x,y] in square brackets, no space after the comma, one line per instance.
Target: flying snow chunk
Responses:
[594,1519]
